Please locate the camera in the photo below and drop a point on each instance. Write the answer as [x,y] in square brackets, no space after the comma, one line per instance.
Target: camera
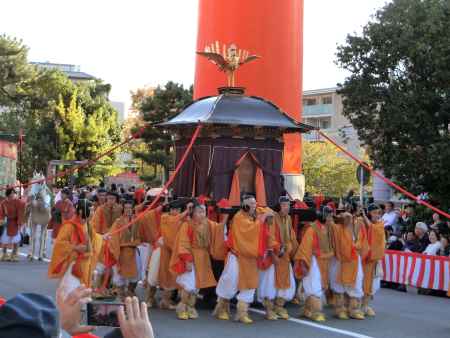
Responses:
[103,314]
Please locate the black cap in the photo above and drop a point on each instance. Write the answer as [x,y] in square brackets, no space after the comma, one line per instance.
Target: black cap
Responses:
[29,315]
[10,191]
[284,199]
[373,207]
[65,191]
[177,204]
[247,196]
[127,199]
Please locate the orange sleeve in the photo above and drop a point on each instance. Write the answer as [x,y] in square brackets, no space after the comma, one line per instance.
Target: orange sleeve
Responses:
[245,234]
[97,220]
[294,244]
[218,249]
[305,251]
[182,252]
[378,242]
[149,229]
[114,242]
[62,252]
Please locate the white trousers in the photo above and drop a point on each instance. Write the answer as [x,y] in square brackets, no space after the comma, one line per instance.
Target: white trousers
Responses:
[187,281]
[227,287]
[145,251]
[377,278]
[267,289]
[312,282]
[376,285]
[69,282]
[153,267]
[357,290]
[5,240]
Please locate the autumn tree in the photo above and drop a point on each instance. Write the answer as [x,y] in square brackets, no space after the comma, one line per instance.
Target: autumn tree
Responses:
[326,170]
[164,103]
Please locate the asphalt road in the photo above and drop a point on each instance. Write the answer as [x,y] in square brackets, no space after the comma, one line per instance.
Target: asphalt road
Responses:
[398,314]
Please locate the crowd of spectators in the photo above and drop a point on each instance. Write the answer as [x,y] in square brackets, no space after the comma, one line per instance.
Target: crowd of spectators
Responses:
[96,193]
[409,233]
[405,232]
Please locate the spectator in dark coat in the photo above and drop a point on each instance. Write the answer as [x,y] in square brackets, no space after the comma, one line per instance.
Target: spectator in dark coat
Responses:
[421,234]
[445,246]
[438,225]
[394,243]
[412,244]
[408,220]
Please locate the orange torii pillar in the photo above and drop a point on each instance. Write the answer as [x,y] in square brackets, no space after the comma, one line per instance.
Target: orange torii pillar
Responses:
[272,29]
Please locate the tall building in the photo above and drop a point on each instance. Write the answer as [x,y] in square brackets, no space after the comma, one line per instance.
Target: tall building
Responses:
[120,108]
[323,108]
[73,72]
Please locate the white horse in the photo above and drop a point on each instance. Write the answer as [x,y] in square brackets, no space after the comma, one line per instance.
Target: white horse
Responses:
[38,213]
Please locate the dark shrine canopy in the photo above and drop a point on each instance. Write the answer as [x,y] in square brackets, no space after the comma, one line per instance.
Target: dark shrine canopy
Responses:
[235,125]
[231,107]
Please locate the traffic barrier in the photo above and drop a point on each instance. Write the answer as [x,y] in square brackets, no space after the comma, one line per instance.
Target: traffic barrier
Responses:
[417,270]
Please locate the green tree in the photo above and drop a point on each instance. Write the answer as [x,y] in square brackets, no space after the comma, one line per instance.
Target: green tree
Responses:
[33,99]
[14,69]
[397,95]
[86,128]
[164,103]
[326,171]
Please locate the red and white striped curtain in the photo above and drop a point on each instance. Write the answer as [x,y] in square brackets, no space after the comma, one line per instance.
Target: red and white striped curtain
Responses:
[422,271]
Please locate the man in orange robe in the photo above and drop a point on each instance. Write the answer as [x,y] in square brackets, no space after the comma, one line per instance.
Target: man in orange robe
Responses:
[312,263]
[350,244]
[123,247]
[76,250]
[106,214]
[150,233]
[62,211]
[246,241]
[104,217]
[277,282]
[372,262]
[170,224]
[12,215]
[197,241]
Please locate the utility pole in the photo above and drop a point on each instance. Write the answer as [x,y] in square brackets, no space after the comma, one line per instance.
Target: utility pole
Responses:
[20,160]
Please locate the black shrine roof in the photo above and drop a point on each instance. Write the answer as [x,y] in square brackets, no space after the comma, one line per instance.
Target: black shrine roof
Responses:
[232,107]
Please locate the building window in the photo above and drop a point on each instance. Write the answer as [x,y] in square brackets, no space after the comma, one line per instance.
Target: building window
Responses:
[309,102]
[319,122]
[327,100]
[325,123]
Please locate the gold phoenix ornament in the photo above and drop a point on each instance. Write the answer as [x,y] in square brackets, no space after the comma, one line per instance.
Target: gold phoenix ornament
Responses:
[229,60]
